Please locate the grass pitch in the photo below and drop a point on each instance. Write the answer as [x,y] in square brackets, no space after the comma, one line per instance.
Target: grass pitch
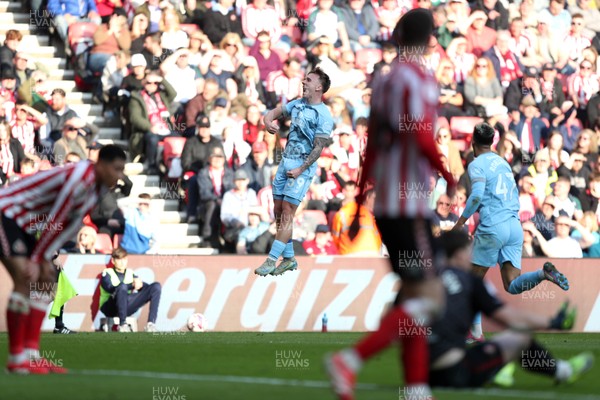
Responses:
[248,366]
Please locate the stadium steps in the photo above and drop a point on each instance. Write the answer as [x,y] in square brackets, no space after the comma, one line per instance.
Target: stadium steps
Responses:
[175,236]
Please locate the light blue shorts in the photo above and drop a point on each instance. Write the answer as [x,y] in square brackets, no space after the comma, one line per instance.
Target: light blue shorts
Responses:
[498,244]
[292,190]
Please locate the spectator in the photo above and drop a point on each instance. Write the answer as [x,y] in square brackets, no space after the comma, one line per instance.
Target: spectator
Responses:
[21,68]
[446,147]
[11,153]
[141,228]
[576,169]
[544,218]
[235,207]
[106,8]
[250,88]
[527,200]
[219,118]
[559,18]
[108,39]
[496,13]
[8,86]
[522,43]
[347,81]
[201,104]
[590,198]
[71,142]
[248,235]
[530,249]
[443,218]
[554,150]
[67,12]
[459,203]
[153,51]
[107,215]
[86,242]
[59,113]
[339,112]
[593,109]
[220,20]
[566,203]
[368,240]
[34,91]
[173,37]
[346,151]
[267,60]
[562,245]
[149,116]
[462,61]
[388,56]
[326,21]
[322,244]
[265,198]
[480,38]
[224,78]
[530,130]
[388,14]
[257,17]
[528,15]
[506,63]
[483,93]
[23,129]
[553,96]
[153,10]
[582,86]
[140,27]
[284,85]
[9,50]
[509,148]
[184,79]
[258,168]
[549,45]
[520,87]
[232,51]
[236,149]
[361,24]
[590,14]
[322,55]
[591,54]
[544,176]
[122,293]
[586,233]
[135,80]
[214,181]
[451,98]
[576,41]
[583,145]
[93,151]
[112,78]
[252,128]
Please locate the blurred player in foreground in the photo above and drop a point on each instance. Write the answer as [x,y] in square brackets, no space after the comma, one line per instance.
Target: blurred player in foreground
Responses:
[310,133]
[38,214]
[401,156]
[499,236]
[453,365]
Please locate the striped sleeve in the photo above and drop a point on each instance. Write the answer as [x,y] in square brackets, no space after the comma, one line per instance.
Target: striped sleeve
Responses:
[75,199]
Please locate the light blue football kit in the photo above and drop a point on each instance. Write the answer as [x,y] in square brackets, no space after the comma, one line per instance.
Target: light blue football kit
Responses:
[308,121]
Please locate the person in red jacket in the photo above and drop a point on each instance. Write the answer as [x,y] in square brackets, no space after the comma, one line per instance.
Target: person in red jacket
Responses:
[322,244]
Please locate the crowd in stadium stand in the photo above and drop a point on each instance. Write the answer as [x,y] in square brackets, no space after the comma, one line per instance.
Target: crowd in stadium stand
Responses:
[207,71]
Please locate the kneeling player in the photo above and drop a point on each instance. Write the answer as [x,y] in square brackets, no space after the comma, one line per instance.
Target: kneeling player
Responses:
[453,365]
[38,214]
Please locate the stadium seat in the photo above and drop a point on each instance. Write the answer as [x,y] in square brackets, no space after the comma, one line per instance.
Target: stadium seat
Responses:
[173,147]
[189,28]
[117,240]
[104,243]
[87,221]
[463,126]
[81,36]
[364,57]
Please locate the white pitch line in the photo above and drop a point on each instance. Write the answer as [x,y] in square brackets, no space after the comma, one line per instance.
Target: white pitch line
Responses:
[518,394]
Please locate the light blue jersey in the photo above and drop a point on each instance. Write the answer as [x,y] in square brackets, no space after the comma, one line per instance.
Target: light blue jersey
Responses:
[494,193]
[309,121]
[500,197]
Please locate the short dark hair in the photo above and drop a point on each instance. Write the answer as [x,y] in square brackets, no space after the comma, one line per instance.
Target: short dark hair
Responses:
[145,196]
[291,60]
[350,183]
[414,28]
[58,91]
[563,178]
[119,253]
[110,153]
[483,134]
[363,121]
[452,241]
[323,78]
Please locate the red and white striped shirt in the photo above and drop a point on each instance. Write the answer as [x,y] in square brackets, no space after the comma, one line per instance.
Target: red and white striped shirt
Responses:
[520,45]
[401,152]
[583,87]
[25,134]
[53,202]
[7,161]
[576,44]
[255,20]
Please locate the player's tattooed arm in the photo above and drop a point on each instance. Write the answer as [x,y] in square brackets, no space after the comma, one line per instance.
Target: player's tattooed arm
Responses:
[319,144]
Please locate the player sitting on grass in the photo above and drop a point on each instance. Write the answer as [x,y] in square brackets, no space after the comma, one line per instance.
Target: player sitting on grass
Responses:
[499,236]
[310,132]
[453,365]
[38,214]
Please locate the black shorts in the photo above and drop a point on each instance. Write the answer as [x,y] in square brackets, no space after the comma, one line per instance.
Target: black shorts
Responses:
[481,363]
[14,241]
[412,248]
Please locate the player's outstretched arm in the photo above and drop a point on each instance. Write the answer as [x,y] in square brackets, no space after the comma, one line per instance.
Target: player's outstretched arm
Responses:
[270,117]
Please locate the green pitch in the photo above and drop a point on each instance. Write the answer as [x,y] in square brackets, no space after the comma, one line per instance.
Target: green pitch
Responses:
[248,366]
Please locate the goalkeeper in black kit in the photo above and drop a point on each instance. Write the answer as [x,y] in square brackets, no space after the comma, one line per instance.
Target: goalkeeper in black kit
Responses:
[452,364]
